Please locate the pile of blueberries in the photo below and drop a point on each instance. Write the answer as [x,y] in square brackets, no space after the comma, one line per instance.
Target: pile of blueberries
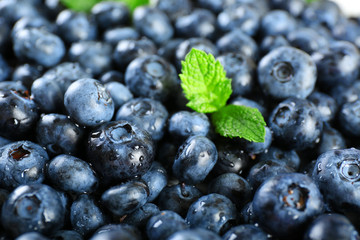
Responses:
[97,142]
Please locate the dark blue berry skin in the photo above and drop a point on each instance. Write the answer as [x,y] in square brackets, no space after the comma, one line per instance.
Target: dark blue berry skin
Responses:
[4,141]
[120,150]
[26,74]
[22,162]
[184,124]
[119,93]
[307,39]
[129,49]
[259,147]
[67,235]
[247,231]
[345,94]
[265,169]
[347,30]
[117,34]
[75,26]
[247,214]
[239,16]
[151,77]
[156,179]
[18,114]
[231,185]
[326,105]
[194,234]
[71,174]
[31,22]
[214,212]
[237,41]
[287,72]
[4,69]
[110,14]
[141,216]
[284,204]
[241,101]
[86,216]
[174,8]
[294,7]
[168,50]
[289,157]
[126,197]
[331,226]
[164,224]
[337,64]
[112,76]
[150,114]
[240,70]
[38,46]
[270,43]
[195,159]
[199,23]
[277,22]
[178,198]
[114,231]
[58,134]
[32,236]
[187,44]
[349,118]
[12,85]
[296,124]
[153,23]
[34,207]
[95,57]
[5,36]
[88,103]
[331,139]
[336,173]
[14,10]
[231,159]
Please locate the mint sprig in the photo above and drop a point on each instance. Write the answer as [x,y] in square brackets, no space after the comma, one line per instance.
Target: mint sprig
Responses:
[204,82]
[86,5]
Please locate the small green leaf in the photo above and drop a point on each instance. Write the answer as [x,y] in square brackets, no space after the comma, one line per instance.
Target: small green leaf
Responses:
[240,121]
[204,82]
[79,5]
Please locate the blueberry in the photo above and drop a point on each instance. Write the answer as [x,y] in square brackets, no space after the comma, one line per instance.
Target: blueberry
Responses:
[125,198]
[156,179]
[32,236]
[128,49]
[31,22]
[120,150]
[231,185]
[259,147]
[337,174]
[326,105]
[270,43]
[194,234]
[294,7]
[151,77]
[67,235]
[88,103]
[247,214]
[112,76]
[337,64]
[289,157]
[75,26]
[346,94]
[173,8]
[178,198]
[214,212]
[150,114]
[287,72]
[296,124]
[4,69]
[110,14]
[330,139]
[184,124]
[277,22]
[168,50]
[153,23]
[85,215]
[307,39]
[114,231]
[195,159]
[119,93]
[349,118]
[117,34]
[22,162]
[14,10]
[200,23]
[164,224]
[241,70]
[26,74]
[34,207]
[240,16]
[331,226]
[215,6]
[246,231]
[95,57]
[71,174]
[39,46]
[285,203]
[142,215]
[58,134]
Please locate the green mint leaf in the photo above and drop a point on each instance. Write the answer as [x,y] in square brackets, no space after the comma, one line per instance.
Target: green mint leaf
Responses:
[204,82]
[240,121]
[79,5]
